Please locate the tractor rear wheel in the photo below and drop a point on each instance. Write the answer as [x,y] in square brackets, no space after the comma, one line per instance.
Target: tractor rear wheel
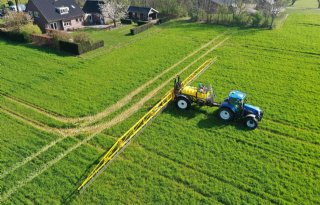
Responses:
[225,114]
[183,103]
[251,123]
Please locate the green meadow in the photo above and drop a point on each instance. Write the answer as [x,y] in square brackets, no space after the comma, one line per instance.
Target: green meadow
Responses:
[48,145]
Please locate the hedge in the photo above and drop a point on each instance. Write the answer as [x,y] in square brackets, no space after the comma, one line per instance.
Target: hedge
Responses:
[140,29]
[14,36]
[163,20]
[140,23]
[79,48]
[126,21]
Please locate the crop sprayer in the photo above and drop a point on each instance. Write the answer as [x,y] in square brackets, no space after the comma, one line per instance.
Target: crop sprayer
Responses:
[234,107]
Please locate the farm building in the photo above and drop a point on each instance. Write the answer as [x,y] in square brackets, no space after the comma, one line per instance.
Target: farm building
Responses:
[56,14]
[93,13]
[142,13]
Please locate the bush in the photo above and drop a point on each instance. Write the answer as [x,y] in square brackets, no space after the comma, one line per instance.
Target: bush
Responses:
[140,29]
[242,20]
[163,20]
[60,36]
[81,37]
[257,19]
[14,20]
[126,21]
[29,29]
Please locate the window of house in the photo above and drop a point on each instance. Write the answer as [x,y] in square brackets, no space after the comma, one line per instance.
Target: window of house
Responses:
[30,13]
[36,14]
[62,10]
[67,23]
[54,26]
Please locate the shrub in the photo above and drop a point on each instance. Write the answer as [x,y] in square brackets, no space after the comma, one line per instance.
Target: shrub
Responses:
[242,20]
[81,37]
[164,19]
[257,19]
[60,36]
[140,29]
[14,20]
[29,29]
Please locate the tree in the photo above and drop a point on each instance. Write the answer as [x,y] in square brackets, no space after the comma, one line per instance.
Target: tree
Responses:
[114,10]
[17,5]
[319,4]
[10,3]
[276,7]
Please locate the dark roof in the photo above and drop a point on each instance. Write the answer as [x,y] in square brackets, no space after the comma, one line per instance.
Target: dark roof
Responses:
[48,9]
[92,6]
[137,9]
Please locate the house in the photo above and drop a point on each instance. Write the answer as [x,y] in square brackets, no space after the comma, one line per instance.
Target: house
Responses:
[93,13]
[56,14]
[142,13]
[21,7]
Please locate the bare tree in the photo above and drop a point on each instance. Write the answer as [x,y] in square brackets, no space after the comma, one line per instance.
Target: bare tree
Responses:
[276,8]
[114,10]
[17,5]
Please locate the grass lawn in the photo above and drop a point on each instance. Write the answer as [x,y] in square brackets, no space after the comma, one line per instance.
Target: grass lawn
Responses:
[182,157]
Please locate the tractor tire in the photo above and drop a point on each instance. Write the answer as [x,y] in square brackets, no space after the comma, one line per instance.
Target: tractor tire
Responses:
[183,103]
[225,114]
[251,123]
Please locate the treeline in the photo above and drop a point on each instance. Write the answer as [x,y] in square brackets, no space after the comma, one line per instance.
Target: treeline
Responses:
[257,13]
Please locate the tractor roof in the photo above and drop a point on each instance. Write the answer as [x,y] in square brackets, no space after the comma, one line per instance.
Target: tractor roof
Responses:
[237,95]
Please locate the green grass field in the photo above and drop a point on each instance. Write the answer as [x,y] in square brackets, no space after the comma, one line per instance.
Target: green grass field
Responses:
[48,145]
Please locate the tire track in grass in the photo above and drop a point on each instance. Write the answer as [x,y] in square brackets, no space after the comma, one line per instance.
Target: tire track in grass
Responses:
[241,186]
[126,100]
[114,121]
[286,124]
[31,122]
[84,121]
[288,136]
[180,182]
[99,128]
[38,109]
[251,144]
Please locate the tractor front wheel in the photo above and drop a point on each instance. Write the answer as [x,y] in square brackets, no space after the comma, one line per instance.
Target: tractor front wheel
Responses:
[182,103]
[251,123]
[225,114]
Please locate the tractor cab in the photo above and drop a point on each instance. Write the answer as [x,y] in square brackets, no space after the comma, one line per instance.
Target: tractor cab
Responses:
[236,100]
[235,107]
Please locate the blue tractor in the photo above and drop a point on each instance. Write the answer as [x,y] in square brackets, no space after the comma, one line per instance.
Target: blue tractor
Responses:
[235,107]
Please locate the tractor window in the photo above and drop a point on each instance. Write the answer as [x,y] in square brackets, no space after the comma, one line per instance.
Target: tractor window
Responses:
[233,101]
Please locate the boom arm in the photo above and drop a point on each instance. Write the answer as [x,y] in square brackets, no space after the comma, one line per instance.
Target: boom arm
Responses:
[126,138]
